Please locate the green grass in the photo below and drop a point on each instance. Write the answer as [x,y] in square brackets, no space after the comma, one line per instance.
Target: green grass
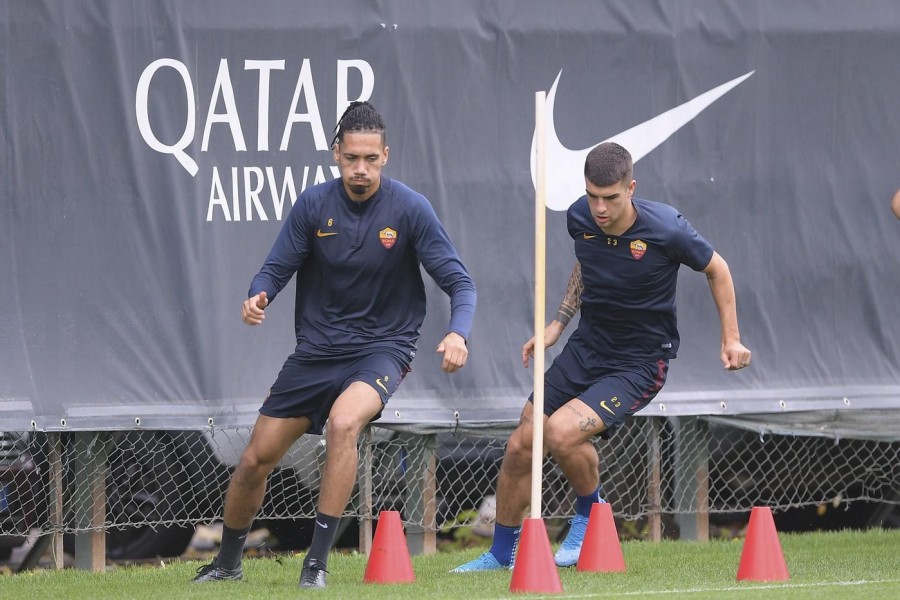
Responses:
[848,564]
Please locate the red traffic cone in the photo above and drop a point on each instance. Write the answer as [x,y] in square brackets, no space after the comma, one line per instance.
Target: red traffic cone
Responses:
[601,551]
[534,569]
[389,560]
[761,557]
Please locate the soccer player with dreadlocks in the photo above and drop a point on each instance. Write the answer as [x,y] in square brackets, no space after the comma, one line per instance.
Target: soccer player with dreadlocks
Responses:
[356,245]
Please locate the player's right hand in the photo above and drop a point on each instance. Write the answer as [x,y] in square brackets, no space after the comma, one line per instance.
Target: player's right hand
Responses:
[551,335]
[253,309]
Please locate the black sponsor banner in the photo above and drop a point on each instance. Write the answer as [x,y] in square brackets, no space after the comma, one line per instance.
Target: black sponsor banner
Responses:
[151,150]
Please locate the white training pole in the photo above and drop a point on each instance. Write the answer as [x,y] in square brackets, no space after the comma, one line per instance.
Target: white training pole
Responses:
[540,227]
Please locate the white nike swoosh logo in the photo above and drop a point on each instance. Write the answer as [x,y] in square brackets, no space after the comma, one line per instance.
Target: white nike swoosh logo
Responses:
[564,168]
[322,525]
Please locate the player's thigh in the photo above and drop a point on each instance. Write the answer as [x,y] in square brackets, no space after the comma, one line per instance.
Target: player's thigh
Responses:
[624,391]
[521,441]
[370,382]
[573,424]
[358,404]
[272,437]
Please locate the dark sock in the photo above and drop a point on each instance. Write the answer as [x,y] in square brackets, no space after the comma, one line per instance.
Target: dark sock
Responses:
[504,544]
[232,548]
[583,504]
[324,533]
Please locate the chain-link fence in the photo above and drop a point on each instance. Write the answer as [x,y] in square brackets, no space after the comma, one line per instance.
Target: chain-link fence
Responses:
[148,489]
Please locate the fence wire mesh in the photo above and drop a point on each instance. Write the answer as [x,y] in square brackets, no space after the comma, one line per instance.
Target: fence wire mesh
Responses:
[159,484]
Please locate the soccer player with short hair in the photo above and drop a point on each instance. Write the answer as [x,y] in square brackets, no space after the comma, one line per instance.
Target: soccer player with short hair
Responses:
[628,254]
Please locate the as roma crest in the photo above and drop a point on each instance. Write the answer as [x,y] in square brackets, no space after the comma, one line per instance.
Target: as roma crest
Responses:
[637,249]
[388,237]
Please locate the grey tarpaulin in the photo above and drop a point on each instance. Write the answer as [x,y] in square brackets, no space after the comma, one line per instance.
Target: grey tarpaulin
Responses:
[876,425]
[149,151]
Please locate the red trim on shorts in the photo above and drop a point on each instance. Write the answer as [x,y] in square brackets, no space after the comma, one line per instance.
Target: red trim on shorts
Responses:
[657,383]
[659,380]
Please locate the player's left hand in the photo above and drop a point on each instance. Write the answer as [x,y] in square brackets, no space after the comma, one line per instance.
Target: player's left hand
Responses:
[455,352]
[735,356]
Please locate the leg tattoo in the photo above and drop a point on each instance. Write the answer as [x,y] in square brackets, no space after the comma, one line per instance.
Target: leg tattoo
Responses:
[586,424]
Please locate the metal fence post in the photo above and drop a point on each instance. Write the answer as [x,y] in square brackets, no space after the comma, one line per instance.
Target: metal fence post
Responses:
[56,498]
[89,499]
[654,487]
[365,492]
[421,492]
[692,477]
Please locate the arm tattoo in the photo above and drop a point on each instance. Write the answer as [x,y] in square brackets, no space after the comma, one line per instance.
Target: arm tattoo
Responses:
[572,302]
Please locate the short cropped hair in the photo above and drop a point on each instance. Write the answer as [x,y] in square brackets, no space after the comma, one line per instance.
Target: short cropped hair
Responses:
[360,117]
[608,164]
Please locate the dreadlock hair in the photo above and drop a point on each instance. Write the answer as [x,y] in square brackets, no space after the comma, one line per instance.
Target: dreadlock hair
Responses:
[608,164]
[360,117]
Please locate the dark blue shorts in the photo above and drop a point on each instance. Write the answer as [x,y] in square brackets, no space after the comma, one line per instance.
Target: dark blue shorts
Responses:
[614,389]
[307,386]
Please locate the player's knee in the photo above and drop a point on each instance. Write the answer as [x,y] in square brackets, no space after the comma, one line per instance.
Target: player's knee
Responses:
[560,441]
[556,441]
[342,427]
[252,466]
[518,449]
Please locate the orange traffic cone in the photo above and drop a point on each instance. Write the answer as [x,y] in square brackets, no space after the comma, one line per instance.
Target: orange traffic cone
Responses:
[534,569]
[601,551]
[389,560]
[761,557]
